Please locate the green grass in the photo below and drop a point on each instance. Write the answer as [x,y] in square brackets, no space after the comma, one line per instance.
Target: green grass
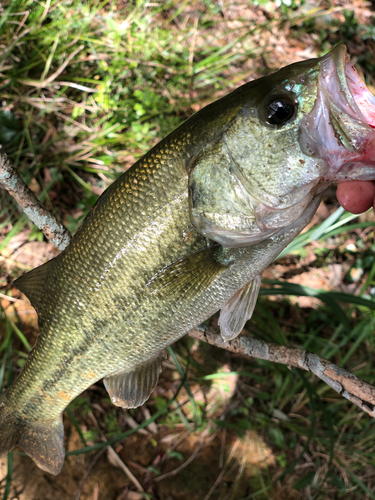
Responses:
[87,88]
[133,86]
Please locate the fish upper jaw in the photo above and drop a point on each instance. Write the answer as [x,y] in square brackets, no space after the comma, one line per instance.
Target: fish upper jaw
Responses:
[340,129]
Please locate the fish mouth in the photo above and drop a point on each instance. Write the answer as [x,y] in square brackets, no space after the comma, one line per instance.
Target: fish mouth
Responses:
[354,87]
[341,127]
[338,133]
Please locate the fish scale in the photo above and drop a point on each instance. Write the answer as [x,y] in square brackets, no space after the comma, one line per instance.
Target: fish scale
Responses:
[80,270]
[192,225]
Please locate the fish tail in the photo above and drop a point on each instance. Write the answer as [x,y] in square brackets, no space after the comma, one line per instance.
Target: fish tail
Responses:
[42,441]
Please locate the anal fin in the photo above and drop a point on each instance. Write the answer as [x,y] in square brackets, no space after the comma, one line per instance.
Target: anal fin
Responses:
[132,389]
[239,309]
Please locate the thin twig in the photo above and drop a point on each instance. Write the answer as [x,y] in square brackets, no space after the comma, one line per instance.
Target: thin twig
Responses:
[195,453]
[223,471]
[182,466]
[52,229]
[11,299]
[115,460]
[86,474]
[51,78]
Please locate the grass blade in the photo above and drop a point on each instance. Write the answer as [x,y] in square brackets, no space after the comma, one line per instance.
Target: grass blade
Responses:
[123,435]
[183,375]
[9,476]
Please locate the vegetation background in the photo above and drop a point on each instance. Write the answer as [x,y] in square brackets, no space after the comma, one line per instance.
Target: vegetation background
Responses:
[86,88]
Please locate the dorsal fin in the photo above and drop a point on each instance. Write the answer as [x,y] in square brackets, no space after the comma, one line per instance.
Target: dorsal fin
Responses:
[32,283]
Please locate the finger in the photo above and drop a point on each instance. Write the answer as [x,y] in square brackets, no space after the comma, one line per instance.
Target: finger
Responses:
[356,196]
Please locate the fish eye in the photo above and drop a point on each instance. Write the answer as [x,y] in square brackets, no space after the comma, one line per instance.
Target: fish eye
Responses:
[280,110]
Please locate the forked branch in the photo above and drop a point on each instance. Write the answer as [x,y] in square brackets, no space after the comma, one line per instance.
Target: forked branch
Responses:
[52,229]
[342,381]
[348,385]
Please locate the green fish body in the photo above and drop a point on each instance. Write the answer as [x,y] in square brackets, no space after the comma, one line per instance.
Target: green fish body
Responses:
[186,231]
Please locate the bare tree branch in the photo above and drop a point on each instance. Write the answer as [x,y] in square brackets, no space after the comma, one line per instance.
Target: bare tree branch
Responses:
[345,383]
[348,385]
[52,229]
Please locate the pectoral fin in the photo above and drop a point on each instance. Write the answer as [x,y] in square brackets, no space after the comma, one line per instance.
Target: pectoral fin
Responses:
[189,275]
[132,389]
[238,310]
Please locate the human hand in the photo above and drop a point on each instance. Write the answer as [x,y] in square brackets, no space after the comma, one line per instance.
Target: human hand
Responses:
[356,196]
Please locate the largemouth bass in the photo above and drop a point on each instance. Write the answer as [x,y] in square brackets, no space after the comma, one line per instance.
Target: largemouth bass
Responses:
[186,231]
